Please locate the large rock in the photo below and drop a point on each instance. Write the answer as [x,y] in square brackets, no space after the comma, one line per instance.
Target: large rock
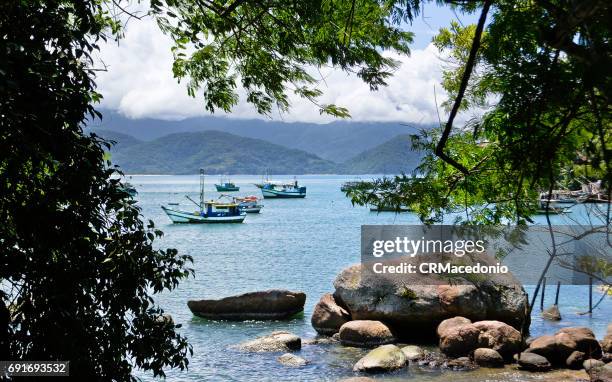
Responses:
[488,358]
[557,348]
[266,305]
[533,362]
[383,358]
[500,337]
[365,333]
[328,316]
[459,340]
[279,341]
[458,337]
[414,304]
[451,323]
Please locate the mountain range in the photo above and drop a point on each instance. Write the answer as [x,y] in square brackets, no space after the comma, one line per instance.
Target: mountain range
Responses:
[338,141]
[153,146]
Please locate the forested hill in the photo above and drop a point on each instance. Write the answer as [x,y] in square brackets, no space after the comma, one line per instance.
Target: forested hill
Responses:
[217,153]
[337,141]
[392,157]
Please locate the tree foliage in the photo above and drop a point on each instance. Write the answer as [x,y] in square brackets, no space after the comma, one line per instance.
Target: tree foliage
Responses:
[272,48]
[542,77]
[77,266]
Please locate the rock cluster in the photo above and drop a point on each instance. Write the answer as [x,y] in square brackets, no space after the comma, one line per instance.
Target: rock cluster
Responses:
[460,337]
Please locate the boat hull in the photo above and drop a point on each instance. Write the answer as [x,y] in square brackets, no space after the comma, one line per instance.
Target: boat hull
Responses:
[251,210]
[226,189]
[269,194]
[182,217]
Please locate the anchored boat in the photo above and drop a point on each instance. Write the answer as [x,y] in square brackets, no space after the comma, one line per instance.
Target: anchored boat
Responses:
[249,204]
[208,211]
[283,190]
[226,186]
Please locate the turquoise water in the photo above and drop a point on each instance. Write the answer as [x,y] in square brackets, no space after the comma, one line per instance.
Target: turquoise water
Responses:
[299,244]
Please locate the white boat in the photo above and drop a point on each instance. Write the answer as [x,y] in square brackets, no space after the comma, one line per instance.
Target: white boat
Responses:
[283,190]
[208,211]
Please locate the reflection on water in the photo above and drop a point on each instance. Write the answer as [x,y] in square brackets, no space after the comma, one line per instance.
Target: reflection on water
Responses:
[297,244]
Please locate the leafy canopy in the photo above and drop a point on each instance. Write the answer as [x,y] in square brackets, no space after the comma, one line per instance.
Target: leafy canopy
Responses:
[273,48]
[542,78]
[78,267]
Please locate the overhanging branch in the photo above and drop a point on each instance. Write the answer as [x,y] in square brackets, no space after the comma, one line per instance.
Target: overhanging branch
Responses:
[469,66]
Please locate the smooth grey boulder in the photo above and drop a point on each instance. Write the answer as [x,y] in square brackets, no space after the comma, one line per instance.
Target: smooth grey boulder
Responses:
[413,352]
[279,341]
[291,360]
[533,362]
[272,304]
[415,304]
[383,358]
[328,316]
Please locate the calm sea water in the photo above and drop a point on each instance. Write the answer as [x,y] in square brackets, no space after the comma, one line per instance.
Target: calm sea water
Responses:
[299,244]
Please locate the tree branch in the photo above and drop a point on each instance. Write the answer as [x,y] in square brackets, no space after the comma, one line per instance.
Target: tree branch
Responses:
[464,82]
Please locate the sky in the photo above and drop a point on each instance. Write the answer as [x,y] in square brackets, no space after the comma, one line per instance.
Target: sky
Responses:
[139,83]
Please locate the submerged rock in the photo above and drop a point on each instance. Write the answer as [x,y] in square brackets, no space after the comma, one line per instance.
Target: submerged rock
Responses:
[533,362]
[365,333]
[383,358]
[488,358]
[413,352]
[552,313]
[291,360]
[328,316]
[415,304]
[358,379]
[275,341]
[266,305]
[461,364]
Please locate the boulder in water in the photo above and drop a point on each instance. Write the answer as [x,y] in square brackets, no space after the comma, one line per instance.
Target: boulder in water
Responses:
[274,342]
[415,304]
[328,316]
[383,358]
[488,358]
[265,305]
[365,333]
[533,362]
[291,360]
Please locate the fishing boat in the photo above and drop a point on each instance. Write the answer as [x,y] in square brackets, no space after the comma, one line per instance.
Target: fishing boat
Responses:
[286,190]
[208,211]
[249,204]
[226,186]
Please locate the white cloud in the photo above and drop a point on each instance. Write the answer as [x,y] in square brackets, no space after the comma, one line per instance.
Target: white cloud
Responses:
[139,83]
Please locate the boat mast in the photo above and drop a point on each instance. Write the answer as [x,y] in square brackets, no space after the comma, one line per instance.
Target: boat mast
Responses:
[201,189]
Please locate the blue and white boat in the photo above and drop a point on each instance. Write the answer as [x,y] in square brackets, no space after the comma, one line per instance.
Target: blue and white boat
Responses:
[208,211]
[286,190]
